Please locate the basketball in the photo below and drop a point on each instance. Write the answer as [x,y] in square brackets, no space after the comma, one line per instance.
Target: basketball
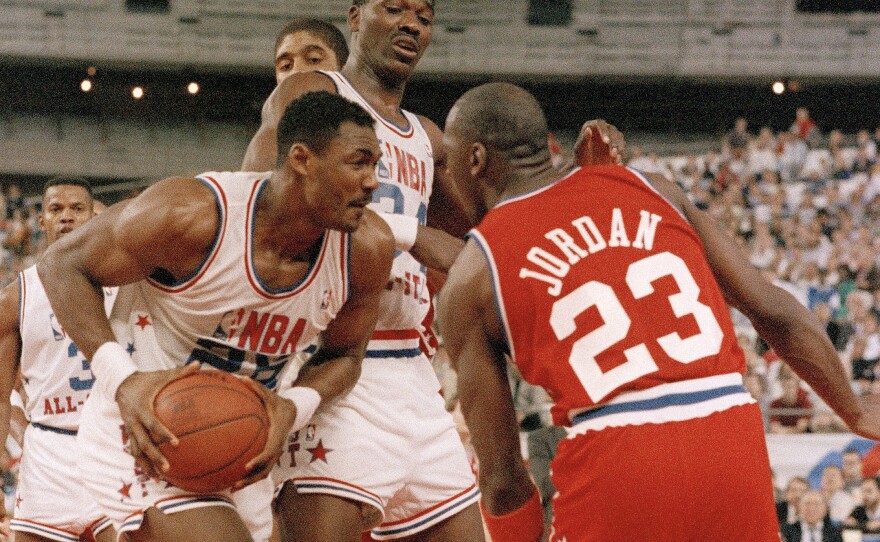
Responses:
[221,425]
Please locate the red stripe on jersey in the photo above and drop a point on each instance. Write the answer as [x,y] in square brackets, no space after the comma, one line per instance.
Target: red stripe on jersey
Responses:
[223,218]
[248,256]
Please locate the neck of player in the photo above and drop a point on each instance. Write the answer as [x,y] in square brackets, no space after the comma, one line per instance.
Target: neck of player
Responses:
[526,175]
[275,231]
[383,91]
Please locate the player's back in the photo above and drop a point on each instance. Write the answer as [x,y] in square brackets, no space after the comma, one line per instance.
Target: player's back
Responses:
[604,289]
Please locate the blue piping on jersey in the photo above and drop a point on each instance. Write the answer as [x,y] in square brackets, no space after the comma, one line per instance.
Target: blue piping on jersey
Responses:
[70,432]
[221,215]
[496,288]
[465,499]
[673,399]
[250,252]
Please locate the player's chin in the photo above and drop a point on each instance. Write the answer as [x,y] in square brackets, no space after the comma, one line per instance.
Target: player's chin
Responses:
[351,220]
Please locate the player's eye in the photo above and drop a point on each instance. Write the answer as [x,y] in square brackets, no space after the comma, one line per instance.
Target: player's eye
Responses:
[425,20]
[315,59]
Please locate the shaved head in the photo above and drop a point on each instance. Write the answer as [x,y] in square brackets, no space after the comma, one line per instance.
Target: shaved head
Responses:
[503,117]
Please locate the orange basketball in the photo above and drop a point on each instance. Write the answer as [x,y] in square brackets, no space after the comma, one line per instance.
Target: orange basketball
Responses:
[221,425]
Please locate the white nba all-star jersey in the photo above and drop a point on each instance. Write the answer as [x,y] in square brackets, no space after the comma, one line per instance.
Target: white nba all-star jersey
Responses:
[56,376]
[223,315]
[406,175]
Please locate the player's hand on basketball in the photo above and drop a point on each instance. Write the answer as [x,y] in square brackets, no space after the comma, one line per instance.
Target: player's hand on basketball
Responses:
[282,414]
[145,432]
[599,143]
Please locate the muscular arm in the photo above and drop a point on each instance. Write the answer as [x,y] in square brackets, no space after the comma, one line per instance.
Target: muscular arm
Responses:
[170,226]
[335,367]
[474,338]
[792,330]
[10,355]
[262,151]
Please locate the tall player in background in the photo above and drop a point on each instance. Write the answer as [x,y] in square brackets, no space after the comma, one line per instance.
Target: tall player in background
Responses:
[51,503]
[390,458]
[240,271]
[608,289]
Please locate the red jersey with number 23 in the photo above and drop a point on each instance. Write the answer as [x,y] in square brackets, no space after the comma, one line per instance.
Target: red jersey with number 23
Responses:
[603,288]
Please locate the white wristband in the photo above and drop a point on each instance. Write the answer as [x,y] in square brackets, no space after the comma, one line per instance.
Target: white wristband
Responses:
[405,229]
[111,364]
[306,401]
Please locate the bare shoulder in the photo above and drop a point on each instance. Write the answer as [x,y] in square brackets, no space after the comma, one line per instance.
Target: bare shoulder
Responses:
[372,250]
[179,210]
[468,282]
[435,134]
[291,88]
[670,191]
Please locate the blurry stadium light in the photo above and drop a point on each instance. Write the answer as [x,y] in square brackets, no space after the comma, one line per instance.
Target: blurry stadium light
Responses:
[778,87]
[86,85]
[137,93]
[91,70]
[193,88]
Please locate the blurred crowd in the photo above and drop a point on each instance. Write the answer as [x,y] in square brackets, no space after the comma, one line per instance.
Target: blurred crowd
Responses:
[21,240]
[805,207]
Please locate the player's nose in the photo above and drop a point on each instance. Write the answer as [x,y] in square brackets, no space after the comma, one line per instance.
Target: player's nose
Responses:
[409,23]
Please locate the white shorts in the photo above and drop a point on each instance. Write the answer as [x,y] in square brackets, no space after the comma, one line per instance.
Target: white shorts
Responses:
[50,501]
[389,443]
[123,494]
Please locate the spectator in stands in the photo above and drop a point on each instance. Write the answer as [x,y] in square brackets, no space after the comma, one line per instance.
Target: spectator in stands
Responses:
[756,386]
[14,199]
[762,154]
[787,510]
[792,156]
[805,128]
[866,144]
[866,516]
[18,234]
[840,503]
[791,412]
[852,473]
[865,351]
[814,524]
[737,140]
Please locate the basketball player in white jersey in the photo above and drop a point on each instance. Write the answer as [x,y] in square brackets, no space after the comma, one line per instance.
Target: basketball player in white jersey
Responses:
[238,271]
[390,458]
[50,503]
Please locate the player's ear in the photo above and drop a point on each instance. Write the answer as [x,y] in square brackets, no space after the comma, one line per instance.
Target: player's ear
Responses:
[354,18]
[479,159]
[298,158]
[41,222]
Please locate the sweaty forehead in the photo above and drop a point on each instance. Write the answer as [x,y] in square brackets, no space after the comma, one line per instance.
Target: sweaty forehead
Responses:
[355,136]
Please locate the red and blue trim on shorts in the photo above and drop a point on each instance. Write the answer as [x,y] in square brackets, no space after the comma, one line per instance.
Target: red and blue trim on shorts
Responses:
[171,505]
[427,518]
[55,533]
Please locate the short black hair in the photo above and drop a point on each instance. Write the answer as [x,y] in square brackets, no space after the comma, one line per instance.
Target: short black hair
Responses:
[314,119]
[327,32]
[68,181]
[506,118]
[362,2]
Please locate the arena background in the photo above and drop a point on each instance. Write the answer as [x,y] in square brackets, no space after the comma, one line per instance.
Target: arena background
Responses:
[672,75]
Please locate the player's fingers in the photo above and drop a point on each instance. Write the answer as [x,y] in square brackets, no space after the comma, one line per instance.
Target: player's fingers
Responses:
[140,459]
[140,437]
[159,434]
[258,468]
[258,389]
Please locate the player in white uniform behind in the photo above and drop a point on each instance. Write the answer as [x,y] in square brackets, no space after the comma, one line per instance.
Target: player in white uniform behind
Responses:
[51,503]
[239,271]
[387,456]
